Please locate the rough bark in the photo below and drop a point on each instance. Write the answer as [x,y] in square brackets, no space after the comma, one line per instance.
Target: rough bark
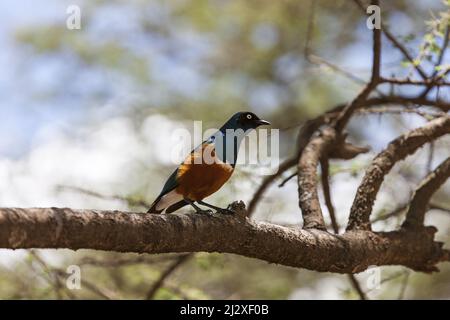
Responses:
[307,179]
[118,231]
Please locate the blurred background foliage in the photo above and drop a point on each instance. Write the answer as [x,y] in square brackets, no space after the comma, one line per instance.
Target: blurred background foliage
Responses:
[94,109]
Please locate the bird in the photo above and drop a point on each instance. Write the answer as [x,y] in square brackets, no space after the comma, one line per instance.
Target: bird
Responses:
[207,168]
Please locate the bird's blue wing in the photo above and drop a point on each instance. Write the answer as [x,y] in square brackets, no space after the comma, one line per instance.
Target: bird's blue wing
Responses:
[170,184]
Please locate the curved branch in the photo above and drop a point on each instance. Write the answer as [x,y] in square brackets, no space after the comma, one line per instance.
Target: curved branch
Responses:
[422,196]
[321,148]
[397,150]
[307,179]
[147,233]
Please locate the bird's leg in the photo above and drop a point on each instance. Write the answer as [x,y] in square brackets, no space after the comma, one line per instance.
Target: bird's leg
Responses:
[198,209]
[218,209]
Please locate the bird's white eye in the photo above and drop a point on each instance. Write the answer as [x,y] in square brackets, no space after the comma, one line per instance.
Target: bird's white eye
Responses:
[249,116]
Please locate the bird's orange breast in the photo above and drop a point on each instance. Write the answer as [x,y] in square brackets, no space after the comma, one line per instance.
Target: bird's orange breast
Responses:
[198,176]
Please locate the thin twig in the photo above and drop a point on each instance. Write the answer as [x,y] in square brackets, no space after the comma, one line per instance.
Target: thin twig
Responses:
[414,82]
[267,181]
[165,274]
[422,195]
[114,263]
[315,59]
[435,77]
[53,279]
[102,292]
[327,194]
[329,203]
[112,230]
[286,180]
[396,43]
[404,286]
[129,200]
[61,274]
[429,165]
[357,286]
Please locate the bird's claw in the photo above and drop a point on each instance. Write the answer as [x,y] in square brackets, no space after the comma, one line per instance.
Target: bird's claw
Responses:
[206,212]
[226,211]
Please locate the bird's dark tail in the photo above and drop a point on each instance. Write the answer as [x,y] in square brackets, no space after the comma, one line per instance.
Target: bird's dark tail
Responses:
[170,209]
[176,206]
[153,207]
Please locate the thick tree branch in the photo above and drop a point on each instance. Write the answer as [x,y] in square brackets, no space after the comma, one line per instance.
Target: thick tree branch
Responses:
[146,233]
[422,196]
[403,50]
[397,150]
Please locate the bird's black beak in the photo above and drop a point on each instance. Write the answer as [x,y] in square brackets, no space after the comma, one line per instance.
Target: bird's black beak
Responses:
[260,122]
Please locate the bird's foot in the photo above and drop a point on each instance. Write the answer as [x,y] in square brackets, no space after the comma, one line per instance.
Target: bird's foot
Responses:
[226,211]
[206,212]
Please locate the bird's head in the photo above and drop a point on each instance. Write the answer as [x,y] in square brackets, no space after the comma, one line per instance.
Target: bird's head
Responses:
[244,121]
